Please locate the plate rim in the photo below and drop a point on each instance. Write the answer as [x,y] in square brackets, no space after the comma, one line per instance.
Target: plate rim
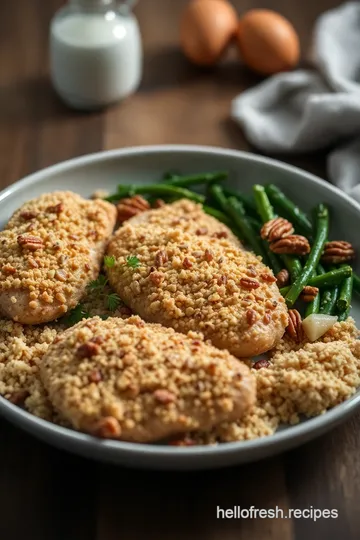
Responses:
[306,429]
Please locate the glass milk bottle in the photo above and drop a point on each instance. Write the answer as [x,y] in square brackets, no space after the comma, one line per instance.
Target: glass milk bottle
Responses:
[95,53]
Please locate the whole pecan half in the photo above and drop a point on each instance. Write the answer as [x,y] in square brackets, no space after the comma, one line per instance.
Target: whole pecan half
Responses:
[275,229]
[294,329]
[249,284]
[130,207]
[27,215]
[30,242]
[282,278]
[337,251]
[309,293]
[294,244]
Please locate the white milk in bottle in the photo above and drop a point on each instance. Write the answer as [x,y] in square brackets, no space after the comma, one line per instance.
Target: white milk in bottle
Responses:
[95,53]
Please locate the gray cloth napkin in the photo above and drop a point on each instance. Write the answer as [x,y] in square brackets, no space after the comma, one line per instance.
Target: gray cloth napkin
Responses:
[303,110]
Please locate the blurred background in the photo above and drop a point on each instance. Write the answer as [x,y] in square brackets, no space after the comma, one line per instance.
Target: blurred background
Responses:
[176,102]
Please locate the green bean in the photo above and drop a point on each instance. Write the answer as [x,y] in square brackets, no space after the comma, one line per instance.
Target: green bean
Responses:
[329,279]
[314,305]
[293,265]
[322,229]
[237,212]
[298,218]
[219,197]
[333,277]
[274,261]
[344,315]
[196,179]
[246,200]
[328,301]
[344,301]
[218,214]
[156,189]
[356,283]
[263,206]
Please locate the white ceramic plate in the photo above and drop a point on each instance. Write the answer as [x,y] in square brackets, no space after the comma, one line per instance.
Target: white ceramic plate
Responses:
[147,164]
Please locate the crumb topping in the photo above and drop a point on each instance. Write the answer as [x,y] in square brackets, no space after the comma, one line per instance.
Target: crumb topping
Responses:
[201,284]
[50,249]
[189,217]
[151,381]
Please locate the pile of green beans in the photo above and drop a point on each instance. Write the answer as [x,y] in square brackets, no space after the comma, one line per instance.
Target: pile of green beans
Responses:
[245,214]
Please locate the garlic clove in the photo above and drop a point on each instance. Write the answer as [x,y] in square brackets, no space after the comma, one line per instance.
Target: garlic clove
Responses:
[317,324]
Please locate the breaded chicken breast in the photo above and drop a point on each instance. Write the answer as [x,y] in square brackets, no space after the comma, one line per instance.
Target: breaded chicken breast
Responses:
[188,216]
[51,248]
[201,284]
[141,382]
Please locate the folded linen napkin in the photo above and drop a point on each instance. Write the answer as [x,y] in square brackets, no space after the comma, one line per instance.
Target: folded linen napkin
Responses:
[305,110]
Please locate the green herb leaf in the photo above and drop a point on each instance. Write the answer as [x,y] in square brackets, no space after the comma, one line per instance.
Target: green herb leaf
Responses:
[113,301]
[109,261]
[76,315]
[98,284]
[132,261]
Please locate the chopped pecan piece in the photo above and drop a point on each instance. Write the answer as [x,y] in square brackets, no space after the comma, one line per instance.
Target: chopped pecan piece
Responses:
[159,203]
[87,350]
[222,280]
[186,441]
[294,328]
[107,428]
[161,258]
[249,284]
[30,242]
[261,364]
[208,255]
[132,206]
[282,278]
[187,263]
[95,376]
[56,209]
[251,316]
[220,234]
[164,396]
[28,215]
[337,251]
[309,293]
[201,231]
[295,244]
[268,277]
[267,318]
[8,269]
[19,397]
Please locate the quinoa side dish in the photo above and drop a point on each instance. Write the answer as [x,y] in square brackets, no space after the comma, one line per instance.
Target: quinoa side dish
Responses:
[161,315]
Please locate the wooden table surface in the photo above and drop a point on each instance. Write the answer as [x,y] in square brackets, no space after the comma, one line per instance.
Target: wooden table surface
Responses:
[52,495]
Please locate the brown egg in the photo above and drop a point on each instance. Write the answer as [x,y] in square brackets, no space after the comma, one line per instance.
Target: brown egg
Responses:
[268,42]
[207,27]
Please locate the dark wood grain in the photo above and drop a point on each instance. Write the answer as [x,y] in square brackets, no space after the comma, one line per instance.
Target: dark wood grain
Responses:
[51,495]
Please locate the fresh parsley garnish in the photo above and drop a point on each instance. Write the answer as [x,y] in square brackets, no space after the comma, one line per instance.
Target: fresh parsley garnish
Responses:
[109,261]
[113,301]
[132,261]
[76,315]
[98,284]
